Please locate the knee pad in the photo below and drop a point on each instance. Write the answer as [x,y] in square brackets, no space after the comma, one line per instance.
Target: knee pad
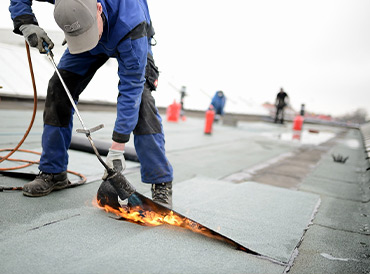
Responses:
[58,108]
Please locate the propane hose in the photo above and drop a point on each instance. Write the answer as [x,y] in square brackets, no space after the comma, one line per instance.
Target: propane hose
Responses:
[16,148]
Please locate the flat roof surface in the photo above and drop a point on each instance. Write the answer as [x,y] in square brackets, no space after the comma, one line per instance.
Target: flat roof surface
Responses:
[256,183]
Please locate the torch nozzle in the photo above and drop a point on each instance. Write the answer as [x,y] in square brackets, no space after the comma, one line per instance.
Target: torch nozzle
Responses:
[123,188]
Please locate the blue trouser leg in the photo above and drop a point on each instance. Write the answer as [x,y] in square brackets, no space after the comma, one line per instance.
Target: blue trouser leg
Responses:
[155,167]
[55,143]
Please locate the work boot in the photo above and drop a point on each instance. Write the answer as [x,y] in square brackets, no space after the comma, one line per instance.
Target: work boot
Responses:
[45,183]
[162,194]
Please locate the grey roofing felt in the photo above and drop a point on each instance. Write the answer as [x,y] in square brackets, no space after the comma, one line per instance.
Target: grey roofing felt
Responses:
[64,233]
[266,219]
[343,251]
[333,188]
[338,241]
[344,214]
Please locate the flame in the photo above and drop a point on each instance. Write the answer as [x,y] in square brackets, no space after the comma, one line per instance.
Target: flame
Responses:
[151,218]
[147,218]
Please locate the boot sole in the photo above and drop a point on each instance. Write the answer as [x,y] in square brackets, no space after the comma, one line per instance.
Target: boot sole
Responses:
[168,205]
[40,194]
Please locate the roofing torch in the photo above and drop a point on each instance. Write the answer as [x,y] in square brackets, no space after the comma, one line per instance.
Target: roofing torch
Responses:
[123,188]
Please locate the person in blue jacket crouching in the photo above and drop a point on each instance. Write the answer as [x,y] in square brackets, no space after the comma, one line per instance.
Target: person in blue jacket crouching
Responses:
[218,102]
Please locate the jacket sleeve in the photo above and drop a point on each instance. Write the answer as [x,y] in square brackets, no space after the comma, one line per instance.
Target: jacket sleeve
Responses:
[132,56]
[21,13]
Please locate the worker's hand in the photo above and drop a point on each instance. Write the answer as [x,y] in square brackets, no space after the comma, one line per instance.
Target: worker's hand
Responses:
[35,36]
[116,160]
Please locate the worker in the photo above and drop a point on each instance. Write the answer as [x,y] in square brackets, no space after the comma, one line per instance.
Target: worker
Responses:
[281,101]
[96,30]
[182,96]
[218,103]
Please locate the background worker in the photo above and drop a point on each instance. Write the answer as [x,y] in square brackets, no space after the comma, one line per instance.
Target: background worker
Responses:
[218,102]
[281,101]
[96,31]
[182,96]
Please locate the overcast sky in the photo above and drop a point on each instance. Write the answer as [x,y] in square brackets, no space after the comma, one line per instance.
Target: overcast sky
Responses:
[318,50]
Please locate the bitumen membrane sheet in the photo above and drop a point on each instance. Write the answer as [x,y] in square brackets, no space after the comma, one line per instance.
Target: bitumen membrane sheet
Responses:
[266,219]
[340,231]
[297,230]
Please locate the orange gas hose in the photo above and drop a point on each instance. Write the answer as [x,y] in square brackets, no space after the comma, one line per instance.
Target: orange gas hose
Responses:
[83,178]
[34,108]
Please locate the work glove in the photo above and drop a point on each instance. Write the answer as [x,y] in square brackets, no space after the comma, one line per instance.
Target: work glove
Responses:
[35,36]
[116,160]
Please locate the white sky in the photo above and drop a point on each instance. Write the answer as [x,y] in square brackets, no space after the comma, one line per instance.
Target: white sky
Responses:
[318,50]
